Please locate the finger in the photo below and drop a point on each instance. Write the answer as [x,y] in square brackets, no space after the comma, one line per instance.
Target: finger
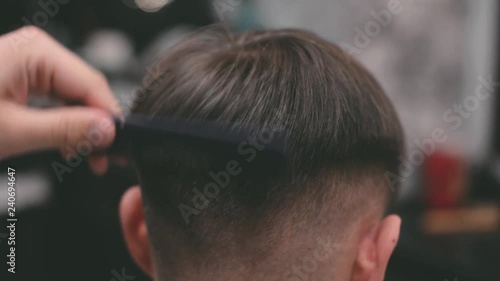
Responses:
[74,130]
[99,164]
[51,67]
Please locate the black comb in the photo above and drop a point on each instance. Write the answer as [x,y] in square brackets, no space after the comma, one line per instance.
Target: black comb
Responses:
[135,129]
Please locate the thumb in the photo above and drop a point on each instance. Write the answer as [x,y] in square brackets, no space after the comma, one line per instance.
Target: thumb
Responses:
[71,129]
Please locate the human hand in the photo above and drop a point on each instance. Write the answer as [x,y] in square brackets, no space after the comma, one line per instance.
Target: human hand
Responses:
[42,66]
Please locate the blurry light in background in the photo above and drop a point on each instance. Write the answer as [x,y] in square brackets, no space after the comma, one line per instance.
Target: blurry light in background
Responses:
[108,50]
[152,6]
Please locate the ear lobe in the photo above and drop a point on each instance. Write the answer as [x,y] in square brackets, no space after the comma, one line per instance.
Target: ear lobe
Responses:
[135,230]
[375,249]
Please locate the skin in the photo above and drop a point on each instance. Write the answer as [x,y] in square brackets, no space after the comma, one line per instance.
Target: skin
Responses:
[369,247]
[36,64]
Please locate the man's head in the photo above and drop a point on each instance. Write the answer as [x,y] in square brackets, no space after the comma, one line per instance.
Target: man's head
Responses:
[206,212]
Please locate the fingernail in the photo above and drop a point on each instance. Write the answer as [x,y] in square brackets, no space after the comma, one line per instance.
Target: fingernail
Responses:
[102,132]
[117,110]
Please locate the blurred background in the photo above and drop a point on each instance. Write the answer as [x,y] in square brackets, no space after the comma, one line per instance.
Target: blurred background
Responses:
[437,61]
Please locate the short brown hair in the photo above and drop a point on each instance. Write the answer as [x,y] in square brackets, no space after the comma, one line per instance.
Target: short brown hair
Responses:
[342,130]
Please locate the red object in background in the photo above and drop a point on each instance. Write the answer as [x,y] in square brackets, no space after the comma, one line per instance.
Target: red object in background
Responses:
[444,176]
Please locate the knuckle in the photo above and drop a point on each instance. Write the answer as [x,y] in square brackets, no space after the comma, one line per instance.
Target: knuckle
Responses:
[60,132]
[31,31]
[39,37]
[29,39]
[101,79]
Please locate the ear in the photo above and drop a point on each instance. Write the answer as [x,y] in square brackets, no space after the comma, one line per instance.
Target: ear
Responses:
[375,249]
[135,230]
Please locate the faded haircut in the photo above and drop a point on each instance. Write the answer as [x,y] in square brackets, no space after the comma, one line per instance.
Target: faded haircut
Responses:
[217,207]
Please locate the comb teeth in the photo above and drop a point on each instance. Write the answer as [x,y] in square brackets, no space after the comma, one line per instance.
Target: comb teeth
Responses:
[141,129]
